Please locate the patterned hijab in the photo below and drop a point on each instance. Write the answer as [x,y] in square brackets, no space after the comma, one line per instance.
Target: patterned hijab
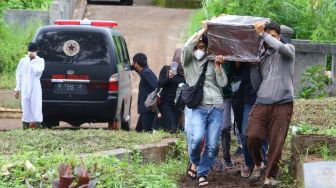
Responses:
[177,59]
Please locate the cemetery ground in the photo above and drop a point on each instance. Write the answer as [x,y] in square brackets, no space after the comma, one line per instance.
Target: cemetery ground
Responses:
[34,155]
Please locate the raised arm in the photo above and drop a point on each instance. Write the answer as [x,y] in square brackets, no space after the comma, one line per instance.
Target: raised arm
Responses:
[287,50]
[188,48]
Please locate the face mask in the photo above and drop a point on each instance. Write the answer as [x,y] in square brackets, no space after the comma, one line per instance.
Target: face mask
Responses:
[199,54]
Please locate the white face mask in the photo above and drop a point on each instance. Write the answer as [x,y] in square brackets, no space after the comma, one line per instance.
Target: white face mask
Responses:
[199,54]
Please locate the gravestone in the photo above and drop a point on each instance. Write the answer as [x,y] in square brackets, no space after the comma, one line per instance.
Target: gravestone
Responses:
[320,174]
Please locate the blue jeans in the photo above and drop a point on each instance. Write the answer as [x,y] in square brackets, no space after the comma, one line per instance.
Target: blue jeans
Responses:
[206,123]
[247,156]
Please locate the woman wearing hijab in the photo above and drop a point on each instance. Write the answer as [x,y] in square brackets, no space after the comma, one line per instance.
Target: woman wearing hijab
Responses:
[169,79]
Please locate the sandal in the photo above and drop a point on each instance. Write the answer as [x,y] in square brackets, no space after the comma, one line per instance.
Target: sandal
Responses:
[246,171]
[191,173]
[204,182]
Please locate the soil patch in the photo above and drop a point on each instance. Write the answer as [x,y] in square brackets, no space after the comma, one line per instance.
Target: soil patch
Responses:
[229,178]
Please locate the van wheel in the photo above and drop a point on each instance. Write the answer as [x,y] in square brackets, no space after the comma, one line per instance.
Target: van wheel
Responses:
[47,123]
[125,124]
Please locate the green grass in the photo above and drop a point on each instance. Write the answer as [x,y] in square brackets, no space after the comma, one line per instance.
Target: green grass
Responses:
[70,141]
[46,149]
[318,113]
[110,171]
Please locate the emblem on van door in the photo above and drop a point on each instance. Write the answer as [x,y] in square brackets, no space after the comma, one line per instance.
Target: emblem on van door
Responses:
[70,72]
[71,48]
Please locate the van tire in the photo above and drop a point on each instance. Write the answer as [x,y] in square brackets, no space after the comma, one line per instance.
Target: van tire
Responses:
[50,123]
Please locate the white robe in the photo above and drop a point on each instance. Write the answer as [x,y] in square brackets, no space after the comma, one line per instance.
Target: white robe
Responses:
[28,74]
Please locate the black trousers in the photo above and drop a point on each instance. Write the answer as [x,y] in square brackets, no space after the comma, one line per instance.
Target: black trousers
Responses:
[145,122]
[169,117]
[226,143]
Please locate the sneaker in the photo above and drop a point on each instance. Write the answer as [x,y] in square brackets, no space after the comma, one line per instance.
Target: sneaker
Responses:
[229,164]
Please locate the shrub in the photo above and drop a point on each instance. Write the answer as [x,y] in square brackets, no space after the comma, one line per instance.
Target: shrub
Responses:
[13,48]
[314,83]
[178,3]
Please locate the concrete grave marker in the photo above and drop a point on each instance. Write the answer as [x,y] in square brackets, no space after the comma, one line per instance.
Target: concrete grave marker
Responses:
[320,174]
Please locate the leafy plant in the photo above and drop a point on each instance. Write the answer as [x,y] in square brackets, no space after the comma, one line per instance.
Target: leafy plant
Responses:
[66,177]
[314,83]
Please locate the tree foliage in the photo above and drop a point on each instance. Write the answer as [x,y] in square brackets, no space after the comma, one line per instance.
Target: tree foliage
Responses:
[25,4]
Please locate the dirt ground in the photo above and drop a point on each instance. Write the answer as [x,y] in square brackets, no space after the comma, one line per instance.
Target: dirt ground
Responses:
[229,178]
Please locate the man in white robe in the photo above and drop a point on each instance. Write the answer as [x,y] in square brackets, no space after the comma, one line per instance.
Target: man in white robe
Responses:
[28,74]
